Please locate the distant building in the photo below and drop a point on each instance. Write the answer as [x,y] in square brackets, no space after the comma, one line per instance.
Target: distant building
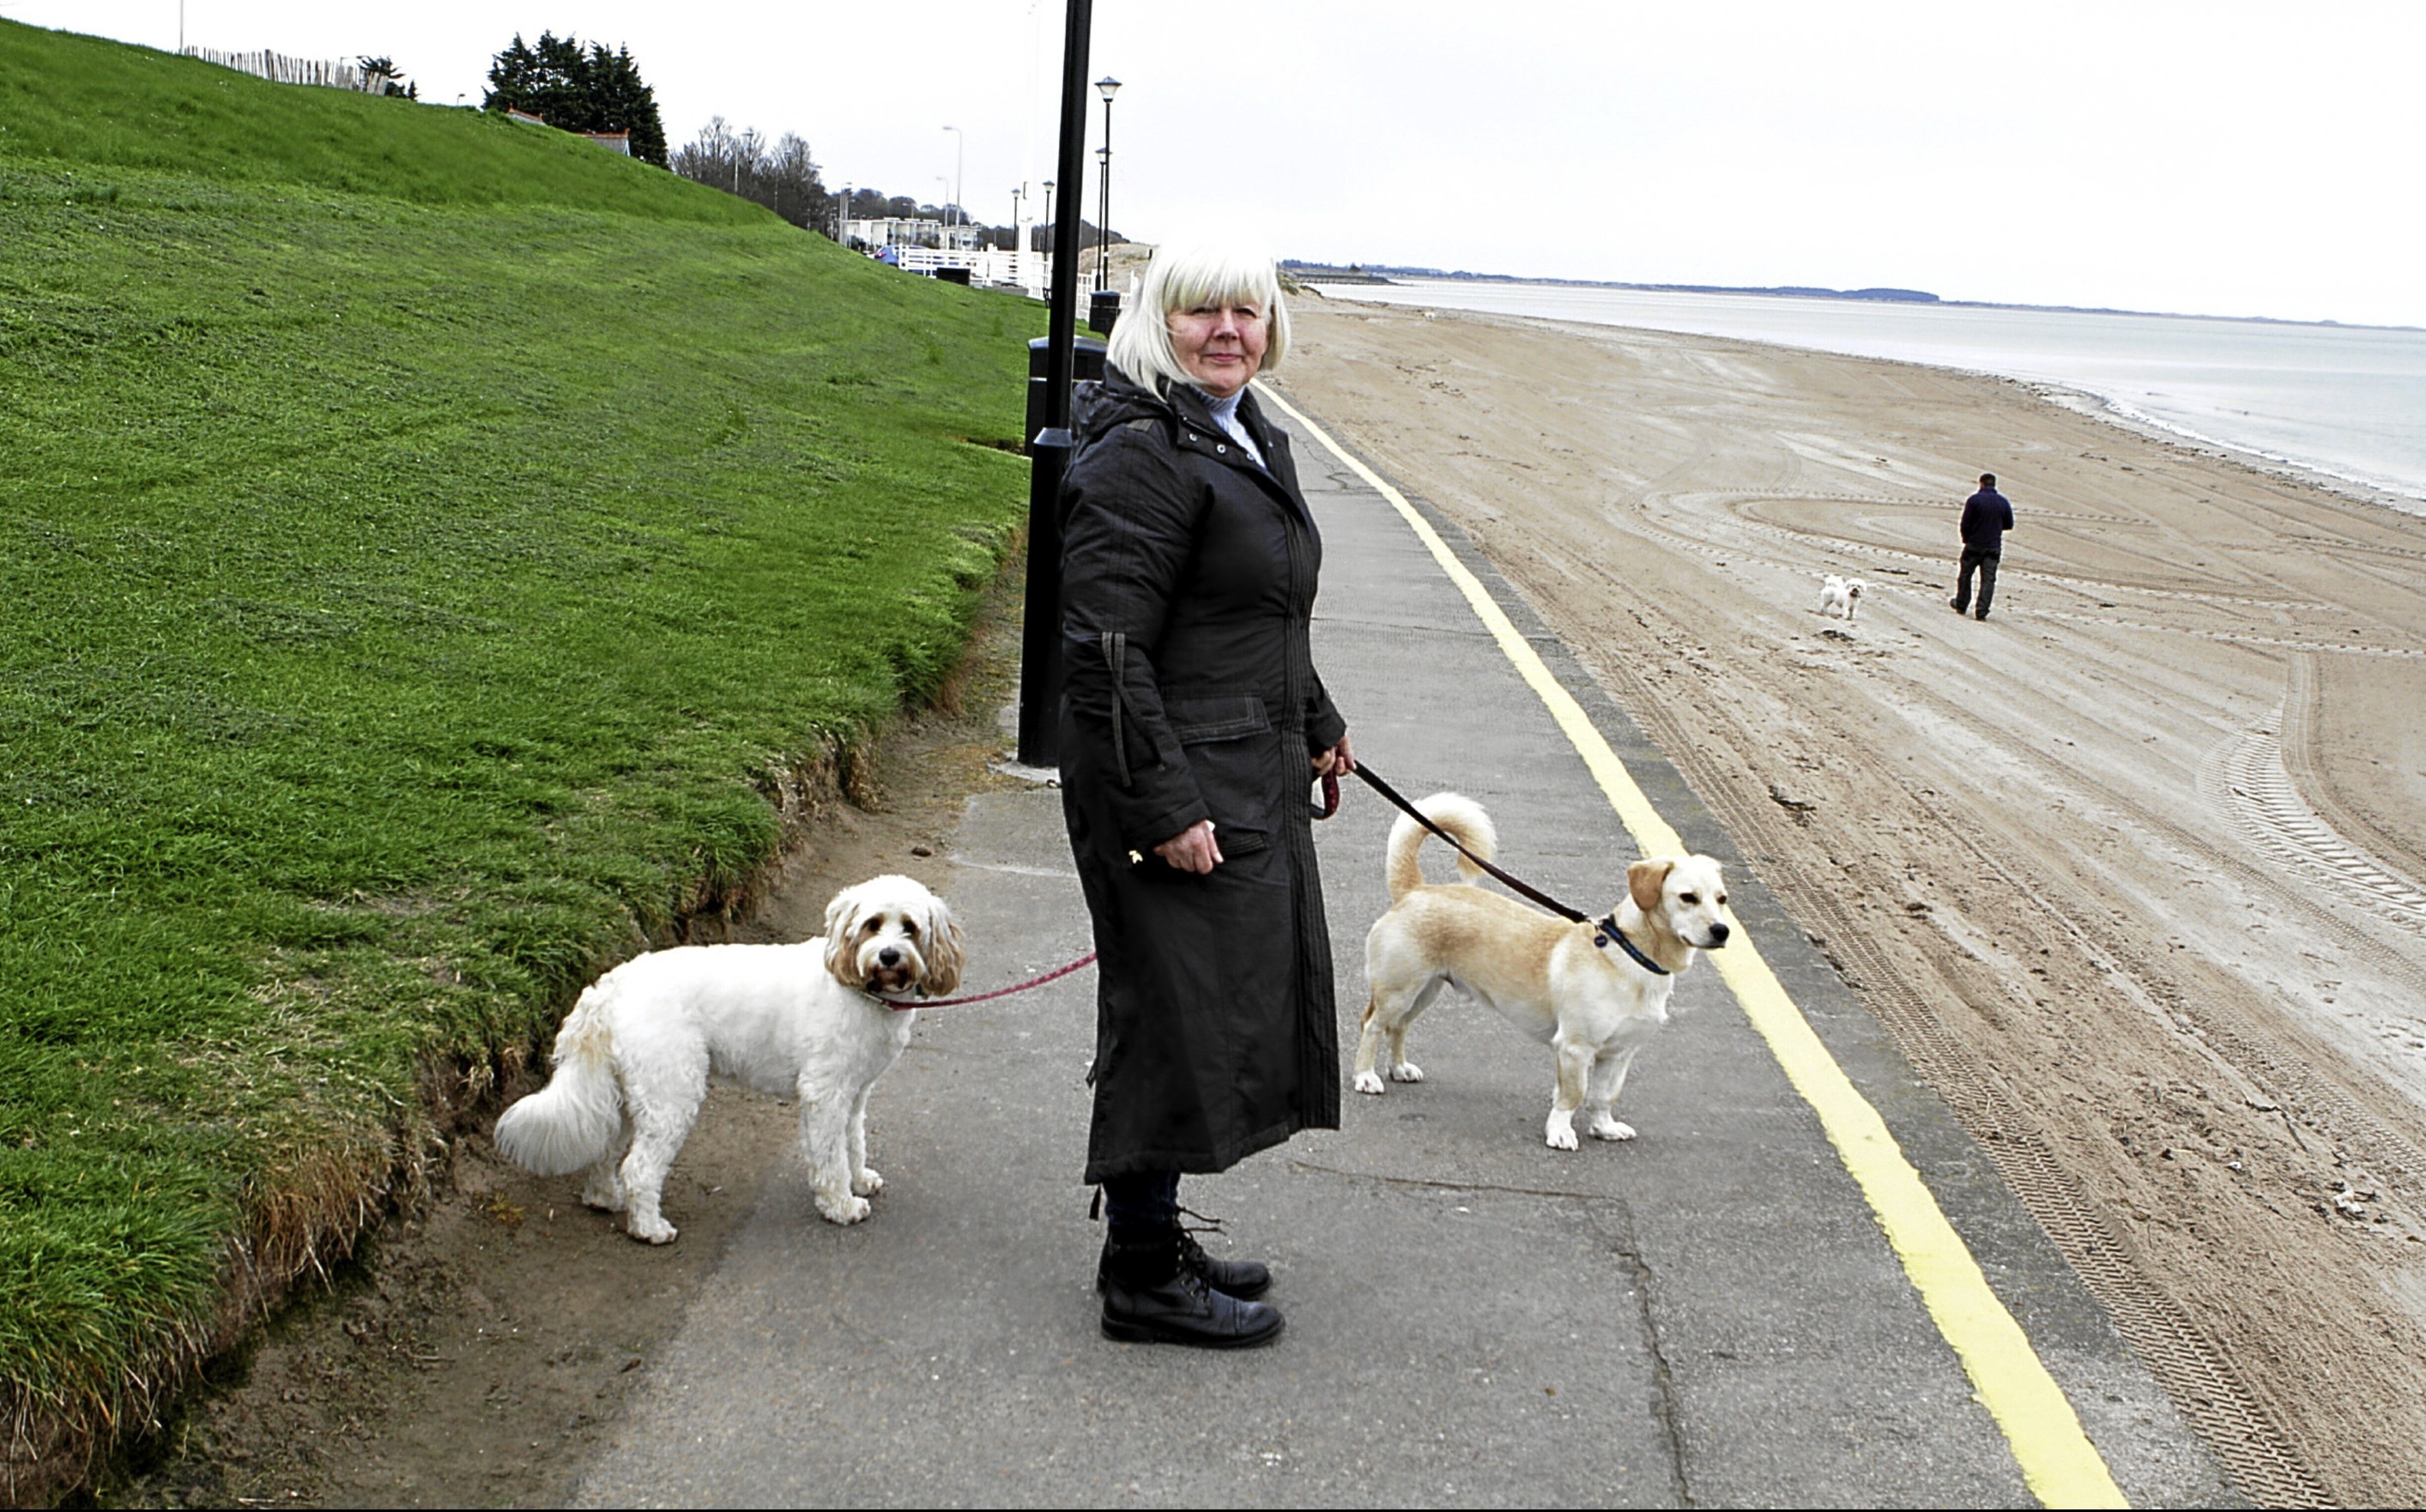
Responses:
[902,230]
[614,141]
[895,231]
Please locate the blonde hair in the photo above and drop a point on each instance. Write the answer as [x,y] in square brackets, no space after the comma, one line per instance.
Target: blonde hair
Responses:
[1185,278]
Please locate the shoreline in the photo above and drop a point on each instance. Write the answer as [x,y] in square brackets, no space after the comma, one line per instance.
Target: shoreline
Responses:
[2091,404]
[2109,411]
[1406,278]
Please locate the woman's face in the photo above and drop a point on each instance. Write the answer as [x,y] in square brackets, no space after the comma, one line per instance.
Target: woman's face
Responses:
[1220,342]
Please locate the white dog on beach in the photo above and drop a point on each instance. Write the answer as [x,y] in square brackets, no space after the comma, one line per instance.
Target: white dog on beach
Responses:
[813,1019]
[1841,596]
[1593,992]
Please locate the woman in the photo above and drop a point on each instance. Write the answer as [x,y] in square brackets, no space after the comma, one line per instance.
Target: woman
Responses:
[1191,724]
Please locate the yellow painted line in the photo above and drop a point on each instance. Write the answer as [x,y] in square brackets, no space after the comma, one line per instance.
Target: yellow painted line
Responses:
[2061,1466]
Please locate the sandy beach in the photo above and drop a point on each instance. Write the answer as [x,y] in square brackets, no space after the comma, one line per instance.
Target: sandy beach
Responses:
[2133,870]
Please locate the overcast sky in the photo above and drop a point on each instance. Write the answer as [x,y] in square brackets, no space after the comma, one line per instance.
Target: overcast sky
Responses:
[2217,157]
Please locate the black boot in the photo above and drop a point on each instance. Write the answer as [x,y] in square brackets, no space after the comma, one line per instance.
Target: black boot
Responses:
[1150,1296]
[1242,1278]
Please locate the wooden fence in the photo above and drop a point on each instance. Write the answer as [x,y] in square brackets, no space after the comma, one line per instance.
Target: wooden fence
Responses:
[280,69]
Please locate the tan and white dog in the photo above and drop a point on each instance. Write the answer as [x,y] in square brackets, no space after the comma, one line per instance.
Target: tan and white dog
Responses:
[810,1020]
[1573,987]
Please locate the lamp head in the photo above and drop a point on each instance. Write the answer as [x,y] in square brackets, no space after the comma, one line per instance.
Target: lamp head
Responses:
[1107,87]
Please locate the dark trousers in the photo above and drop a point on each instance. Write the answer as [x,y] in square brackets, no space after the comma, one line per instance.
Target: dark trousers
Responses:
[1142,1201]
[1984,560]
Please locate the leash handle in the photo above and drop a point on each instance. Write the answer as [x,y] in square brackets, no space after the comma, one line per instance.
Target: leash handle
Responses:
[1373,781]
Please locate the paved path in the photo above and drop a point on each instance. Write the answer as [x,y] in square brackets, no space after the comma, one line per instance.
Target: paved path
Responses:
[1708,1314]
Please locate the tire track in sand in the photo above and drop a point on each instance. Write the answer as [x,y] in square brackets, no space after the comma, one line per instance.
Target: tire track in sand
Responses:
[2194,1370]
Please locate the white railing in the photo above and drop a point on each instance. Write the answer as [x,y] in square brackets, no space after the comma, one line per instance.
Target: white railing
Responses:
[1027,270]
[280,69]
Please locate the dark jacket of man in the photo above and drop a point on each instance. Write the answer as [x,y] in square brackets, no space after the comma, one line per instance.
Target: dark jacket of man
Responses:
[1187,584]
[1986,517]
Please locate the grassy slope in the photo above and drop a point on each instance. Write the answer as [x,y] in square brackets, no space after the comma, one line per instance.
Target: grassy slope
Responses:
[423,539]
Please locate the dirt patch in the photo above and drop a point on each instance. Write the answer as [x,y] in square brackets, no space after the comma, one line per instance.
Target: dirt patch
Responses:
[2129,870]
[473,1353]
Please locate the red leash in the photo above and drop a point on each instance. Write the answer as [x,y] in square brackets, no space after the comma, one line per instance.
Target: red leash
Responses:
[1054,975]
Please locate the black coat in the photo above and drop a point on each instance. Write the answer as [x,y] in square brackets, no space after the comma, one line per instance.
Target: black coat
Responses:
[1187,582]
[1986,517]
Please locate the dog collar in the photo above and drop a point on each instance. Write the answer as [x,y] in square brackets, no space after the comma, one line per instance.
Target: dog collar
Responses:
[1606,930]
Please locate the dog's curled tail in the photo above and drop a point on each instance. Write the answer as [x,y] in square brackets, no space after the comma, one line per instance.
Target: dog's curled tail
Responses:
[572,1122]
[1457,815]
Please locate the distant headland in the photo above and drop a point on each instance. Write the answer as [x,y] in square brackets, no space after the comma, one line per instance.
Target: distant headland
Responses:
[1384,273]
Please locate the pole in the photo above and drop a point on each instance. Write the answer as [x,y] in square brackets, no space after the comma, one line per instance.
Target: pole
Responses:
[1104,215]
[1039,670]
[960,145]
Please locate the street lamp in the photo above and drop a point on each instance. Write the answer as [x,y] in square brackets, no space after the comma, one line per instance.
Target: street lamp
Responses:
[1048,208]
[1106,87]
[1040,659]
[960,163]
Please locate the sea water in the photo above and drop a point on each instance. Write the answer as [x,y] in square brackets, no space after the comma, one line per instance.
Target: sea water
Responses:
[2345,401]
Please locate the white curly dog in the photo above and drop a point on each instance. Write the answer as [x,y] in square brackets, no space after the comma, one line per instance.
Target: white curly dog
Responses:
[813,1019]
[1840,597]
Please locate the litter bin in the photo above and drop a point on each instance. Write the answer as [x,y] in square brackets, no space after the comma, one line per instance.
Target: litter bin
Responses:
[1087,363]
[1104,310]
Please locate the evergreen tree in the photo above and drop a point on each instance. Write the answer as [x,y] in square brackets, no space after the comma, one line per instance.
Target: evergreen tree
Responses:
[627,99]
[579,89]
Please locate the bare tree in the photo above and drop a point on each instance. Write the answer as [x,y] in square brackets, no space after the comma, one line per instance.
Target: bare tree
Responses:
[783,177]
[794,190]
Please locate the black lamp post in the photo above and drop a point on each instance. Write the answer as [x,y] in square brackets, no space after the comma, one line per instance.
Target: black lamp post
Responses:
[1039,670]
[1106,87]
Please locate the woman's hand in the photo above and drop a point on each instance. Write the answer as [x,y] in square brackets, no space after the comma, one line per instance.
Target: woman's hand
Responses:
[1338,758]
[1192,849]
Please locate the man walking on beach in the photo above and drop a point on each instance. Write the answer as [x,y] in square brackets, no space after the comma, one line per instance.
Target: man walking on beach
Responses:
[1986,517]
